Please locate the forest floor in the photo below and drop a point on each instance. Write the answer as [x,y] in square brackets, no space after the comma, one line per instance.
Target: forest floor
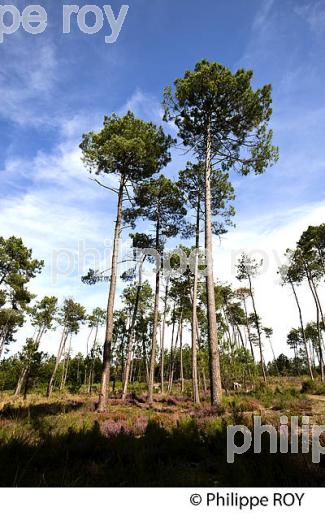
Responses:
[63,441]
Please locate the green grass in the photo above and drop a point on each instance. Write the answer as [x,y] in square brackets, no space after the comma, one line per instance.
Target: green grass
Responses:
[62,441]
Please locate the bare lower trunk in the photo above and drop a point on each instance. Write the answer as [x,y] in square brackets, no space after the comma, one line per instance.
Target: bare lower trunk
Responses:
[155,321]
[303,331]
[88,338]
[65,367]
[21,381]
[214,363]
[57,362]
[3,338]
[92,362]
[181,355]
[194,337]
[26,368]
[145,362]
[205,391]
[162,350]
[248,330]
[130,335]
[321,361]
[173,356]
[258,329]
[103,395]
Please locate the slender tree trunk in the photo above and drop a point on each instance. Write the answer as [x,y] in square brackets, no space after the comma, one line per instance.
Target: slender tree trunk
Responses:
[129,347]
[181,355]
[162,352]
[3,338]
[318,300]
[302,331]
[173,357]
[57,362]
[194,337]
[21,381]
[205,391]
[274,358]
[171,351]
[214,363]
[319,312]
[248,330]
[66,365]
[155,318]
[145,361]
[257,328]
[321,361]
[103,396]
[92,361]
[88,338]
[240,335]
[38,333]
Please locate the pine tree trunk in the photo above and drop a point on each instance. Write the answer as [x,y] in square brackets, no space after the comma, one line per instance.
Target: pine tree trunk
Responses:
[258,329]
[321,361]
[57,362]
[205,391]
[194,337]
[25,369]
[171,351]
[21,381]
[3,339]
[173,357]
[181,355]
[162,353]
[145,361]
[92,361]
[103,396]
[155,319]
[66,365]
[129,347]
[214,363]
[302,331]
[248,330]
[88,338]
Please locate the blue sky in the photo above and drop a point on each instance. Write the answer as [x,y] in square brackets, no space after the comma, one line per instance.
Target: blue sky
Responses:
[55,86]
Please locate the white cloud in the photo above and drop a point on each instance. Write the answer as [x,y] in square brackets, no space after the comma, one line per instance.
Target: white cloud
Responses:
[27,79]
[314,14]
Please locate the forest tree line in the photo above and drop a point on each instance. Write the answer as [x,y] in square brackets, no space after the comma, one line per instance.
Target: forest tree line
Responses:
[224,124]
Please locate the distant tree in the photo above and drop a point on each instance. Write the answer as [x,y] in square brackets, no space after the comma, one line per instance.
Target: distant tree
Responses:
[243,293]
[28,357]
[247,269]
[294,340]
[42,315]
[290,276]
[139,296]
[17,268]
[95,320]
[71,314]
[305,266]
[283,364]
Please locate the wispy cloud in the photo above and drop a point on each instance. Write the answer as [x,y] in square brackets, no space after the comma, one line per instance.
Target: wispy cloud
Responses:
[27,78]
[314,14]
